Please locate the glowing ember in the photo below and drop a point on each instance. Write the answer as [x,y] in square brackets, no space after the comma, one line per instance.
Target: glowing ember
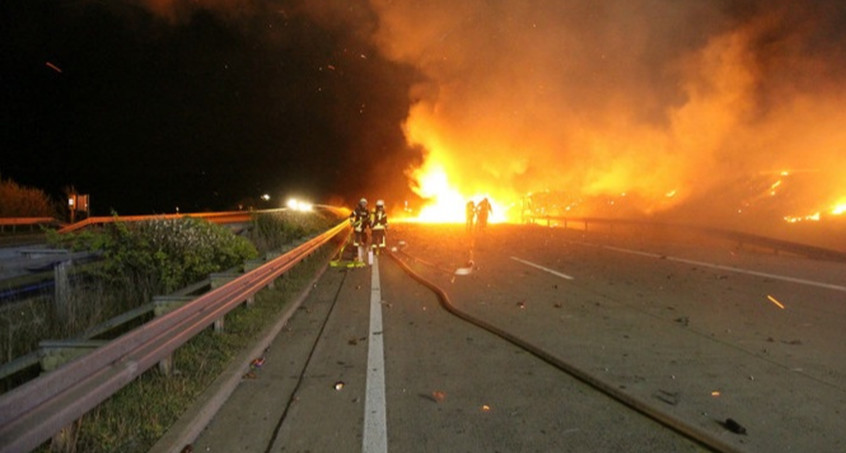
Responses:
[777,303]
[815,217]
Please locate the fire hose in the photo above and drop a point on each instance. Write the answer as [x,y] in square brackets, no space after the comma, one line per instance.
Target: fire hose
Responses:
[691,432]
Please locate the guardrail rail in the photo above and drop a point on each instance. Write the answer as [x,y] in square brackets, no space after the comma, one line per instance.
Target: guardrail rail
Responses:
[35,411]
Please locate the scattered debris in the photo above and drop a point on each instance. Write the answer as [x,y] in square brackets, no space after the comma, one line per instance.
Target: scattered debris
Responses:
[731,425]
[439,396]
[339,385]
[557,305]
[793,342]
[521,304]
[355,341]
[250,375]
[257,363]
[187,449]
[715,393]
[467,269]
[671,398]
[684,320]
[485,408]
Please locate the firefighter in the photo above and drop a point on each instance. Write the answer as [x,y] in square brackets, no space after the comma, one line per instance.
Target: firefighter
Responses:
[379,223]
[483,210]
[470,212]
[360,221]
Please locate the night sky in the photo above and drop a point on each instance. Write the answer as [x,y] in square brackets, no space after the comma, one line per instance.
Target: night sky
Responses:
[703,109]
[201,109]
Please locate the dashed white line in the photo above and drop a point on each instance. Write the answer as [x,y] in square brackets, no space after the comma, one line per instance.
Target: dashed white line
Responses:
[545,269]
[375,438]
[738,270]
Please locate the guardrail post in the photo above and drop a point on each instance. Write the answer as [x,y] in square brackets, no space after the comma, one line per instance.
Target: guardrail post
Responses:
[57,352]
[270,256]
[161,306]
[166,365]
[54,354]
[62,292]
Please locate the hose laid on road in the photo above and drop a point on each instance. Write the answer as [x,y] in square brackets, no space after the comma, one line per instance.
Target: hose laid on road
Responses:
[694,433]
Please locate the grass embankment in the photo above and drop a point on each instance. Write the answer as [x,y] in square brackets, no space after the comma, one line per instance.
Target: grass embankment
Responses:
[137,416]
[158,257]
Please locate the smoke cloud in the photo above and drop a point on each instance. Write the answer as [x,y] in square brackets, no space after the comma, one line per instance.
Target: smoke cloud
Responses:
[673,101]
[709,107]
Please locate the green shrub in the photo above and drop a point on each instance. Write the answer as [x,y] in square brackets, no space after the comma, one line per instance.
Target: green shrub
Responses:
[163,255]
[274,230]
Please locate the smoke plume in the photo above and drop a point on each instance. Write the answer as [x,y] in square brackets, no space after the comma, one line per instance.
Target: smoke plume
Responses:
[676,103]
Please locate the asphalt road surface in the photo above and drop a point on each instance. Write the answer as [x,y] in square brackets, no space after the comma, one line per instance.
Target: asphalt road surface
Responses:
[694,330]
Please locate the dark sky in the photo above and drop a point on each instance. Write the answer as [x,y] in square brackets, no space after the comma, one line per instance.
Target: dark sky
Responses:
[687,106]
[199,110]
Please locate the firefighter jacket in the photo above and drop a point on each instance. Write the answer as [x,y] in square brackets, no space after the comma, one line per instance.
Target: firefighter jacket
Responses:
[360,218]
[379,221]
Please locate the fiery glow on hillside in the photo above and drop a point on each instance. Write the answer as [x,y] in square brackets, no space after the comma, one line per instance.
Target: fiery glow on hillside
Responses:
[512,101]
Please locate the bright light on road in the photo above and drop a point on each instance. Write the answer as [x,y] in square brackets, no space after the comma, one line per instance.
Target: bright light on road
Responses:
[298,205]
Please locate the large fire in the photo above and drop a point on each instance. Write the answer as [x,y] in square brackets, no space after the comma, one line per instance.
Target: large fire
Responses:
[446,203]
[515,102]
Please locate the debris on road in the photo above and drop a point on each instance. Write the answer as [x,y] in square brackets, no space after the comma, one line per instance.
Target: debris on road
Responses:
[257,363]
[731,425]
[339,385]
[671,398]
[355,341]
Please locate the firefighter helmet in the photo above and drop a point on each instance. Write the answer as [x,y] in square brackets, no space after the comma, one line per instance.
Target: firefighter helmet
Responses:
[380,204]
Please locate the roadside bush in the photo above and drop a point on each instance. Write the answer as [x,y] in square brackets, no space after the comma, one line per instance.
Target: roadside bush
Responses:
[20,201]
[272,231]
[161,256]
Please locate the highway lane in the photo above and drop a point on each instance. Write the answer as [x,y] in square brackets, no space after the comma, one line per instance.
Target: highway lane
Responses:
[683,325]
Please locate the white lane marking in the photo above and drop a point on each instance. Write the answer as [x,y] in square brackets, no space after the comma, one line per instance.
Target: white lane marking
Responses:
[375,439]
[545,269]
[738,270]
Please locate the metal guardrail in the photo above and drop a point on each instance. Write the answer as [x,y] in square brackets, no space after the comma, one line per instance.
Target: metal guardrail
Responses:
[33,412]
[810,251]
[215,217]
[31,222]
